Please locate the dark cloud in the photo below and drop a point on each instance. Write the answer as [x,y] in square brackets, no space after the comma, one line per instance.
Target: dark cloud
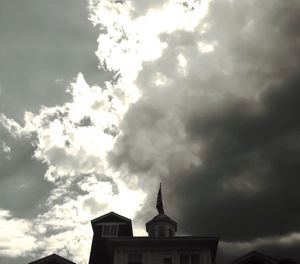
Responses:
[278,251]
[10,260]
[223,134]
[250,147]
[44,46]
[23,188]
[84,122]
[249,171]
[239,105]
[282,252]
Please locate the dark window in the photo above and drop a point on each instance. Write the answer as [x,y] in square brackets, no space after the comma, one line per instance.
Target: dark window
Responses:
[135,258]
[161,231]
[189,259]
[184,259]
[114,230]
[110,230]
[105,230]
[195,259]
[167,260]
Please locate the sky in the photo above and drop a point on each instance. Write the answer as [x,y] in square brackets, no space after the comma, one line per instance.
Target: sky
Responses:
[102,100]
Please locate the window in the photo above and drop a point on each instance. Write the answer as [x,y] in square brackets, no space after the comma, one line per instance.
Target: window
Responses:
[195,259]
[135,258]
[167,260]
[189,259]
[184,259]
[110,230]
[161,231]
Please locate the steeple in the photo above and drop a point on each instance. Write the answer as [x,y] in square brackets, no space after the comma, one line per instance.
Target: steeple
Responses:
[161,225]
[159,202]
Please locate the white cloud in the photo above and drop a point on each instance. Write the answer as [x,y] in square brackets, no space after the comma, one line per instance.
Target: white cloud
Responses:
[5,147]
[75,139]
[12,126]
[17,235]
[206,47]
[6,150]
[159,56]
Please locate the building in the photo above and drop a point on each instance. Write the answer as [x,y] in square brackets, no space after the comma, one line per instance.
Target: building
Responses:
[52,259]
[255,257]
[114,243]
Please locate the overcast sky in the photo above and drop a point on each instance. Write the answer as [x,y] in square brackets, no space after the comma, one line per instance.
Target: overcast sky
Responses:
[101,100]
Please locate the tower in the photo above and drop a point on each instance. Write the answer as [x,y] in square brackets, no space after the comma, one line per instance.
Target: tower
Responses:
[161,225]
[114,243]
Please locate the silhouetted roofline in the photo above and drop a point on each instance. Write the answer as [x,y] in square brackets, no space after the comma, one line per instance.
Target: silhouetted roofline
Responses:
[254,253]
[177,241]
[111,213]
[166,238]
[52,257]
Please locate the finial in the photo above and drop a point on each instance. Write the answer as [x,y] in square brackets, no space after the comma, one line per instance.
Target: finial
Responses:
[159,202]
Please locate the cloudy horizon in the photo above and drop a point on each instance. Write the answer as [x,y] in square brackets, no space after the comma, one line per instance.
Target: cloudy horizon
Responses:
[101,100]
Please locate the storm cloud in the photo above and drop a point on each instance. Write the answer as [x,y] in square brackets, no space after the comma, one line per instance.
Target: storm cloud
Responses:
[201,96]
[222,132]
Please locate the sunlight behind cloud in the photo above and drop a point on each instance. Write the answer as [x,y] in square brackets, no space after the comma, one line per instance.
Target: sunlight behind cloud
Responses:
[206,48]
[77,139]
[197,96]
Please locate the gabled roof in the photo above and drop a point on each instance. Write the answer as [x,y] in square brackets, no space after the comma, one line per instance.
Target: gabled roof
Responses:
[125,226]
[254,255]
[111,214]
[52,259]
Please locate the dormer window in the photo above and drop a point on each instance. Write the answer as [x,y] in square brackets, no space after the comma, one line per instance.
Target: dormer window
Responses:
[110,230]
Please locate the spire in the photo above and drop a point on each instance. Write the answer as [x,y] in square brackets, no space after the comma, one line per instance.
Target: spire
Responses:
[159,202]
[161,225]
